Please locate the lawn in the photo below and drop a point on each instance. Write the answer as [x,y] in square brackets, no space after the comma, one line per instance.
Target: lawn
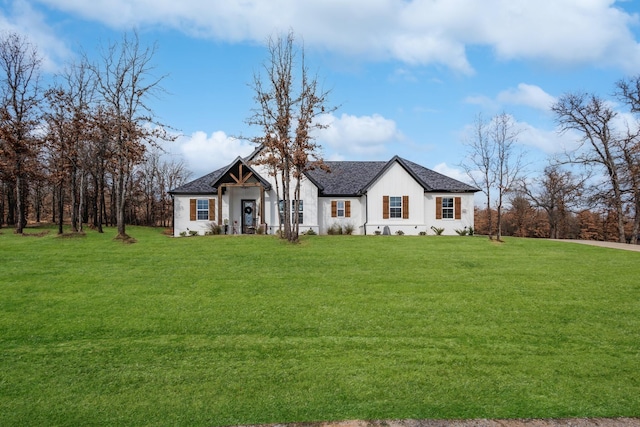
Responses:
[225,330]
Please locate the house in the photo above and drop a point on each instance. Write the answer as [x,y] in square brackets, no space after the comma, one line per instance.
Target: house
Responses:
[365,196]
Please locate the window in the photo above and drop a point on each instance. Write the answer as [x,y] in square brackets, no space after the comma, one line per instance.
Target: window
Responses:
[293,209]
[202,209]
[340,208]
[300,211]
[395,207]
[448,207]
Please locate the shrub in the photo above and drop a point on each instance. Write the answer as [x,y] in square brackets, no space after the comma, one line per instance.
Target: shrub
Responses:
[471,231]
[193,233]
[462,232]
[423,233]
[213,228]
[349,228]
[334,229]
[310,232]
[437,230]
[183,234]
[377,232]
[260,229]
[400,233]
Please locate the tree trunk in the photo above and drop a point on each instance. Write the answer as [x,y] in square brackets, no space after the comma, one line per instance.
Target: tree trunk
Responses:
[20,222]
[60,207]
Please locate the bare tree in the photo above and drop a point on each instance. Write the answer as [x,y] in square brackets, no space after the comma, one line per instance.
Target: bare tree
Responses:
[628,91]
[508,162]
[19,116]
[287,115]
[592,117]
[494,161]
[479,164]
[125,83]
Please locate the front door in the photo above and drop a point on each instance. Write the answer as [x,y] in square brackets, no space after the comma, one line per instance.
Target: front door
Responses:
[248,217]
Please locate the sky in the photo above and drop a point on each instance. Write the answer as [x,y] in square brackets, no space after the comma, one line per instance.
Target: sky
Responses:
[408,77]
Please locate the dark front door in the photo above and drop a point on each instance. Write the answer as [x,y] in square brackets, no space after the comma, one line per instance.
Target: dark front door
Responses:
[248,216]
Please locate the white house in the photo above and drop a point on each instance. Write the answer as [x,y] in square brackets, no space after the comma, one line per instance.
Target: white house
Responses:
[366,196]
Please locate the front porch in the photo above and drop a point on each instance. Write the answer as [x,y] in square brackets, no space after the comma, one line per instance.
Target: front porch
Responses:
[241,200]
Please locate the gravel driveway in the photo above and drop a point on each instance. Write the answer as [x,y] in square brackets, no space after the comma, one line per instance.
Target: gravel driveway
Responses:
[612,245]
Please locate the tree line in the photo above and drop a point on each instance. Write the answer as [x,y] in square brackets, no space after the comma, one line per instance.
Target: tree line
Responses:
[591,191]
[86,148]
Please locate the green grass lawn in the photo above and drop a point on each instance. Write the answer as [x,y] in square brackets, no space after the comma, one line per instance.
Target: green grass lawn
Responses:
[223,330]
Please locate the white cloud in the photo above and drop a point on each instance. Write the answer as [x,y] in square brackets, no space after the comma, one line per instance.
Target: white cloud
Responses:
[527,95]
[483,101]
[451,172]
[24,20]
[203,153]
[565,32]
[358,135]
[548,141]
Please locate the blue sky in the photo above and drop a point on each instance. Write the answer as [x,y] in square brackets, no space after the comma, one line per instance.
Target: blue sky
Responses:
[409,76]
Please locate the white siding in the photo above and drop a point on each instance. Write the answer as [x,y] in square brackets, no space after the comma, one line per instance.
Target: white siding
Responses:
[182,215]
[450,225]
[308,195]
[397,182]
[357,218]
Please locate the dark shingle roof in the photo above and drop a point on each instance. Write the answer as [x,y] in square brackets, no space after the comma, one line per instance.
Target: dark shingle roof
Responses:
[202,185]
[346,178]
[354,178]
[434,181]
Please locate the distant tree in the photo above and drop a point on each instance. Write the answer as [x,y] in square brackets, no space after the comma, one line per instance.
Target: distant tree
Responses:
[521,216]
[19,117]
[68,119]
[558,192]
[286,115]
[170,174]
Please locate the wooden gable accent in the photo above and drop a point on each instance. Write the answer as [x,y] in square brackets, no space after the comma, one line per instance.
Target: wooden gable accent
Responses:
[243,178]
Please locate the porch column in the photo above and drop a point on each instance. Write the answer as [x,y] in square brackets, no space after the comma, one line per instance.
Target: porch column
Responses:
[262,206]
[220,204]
